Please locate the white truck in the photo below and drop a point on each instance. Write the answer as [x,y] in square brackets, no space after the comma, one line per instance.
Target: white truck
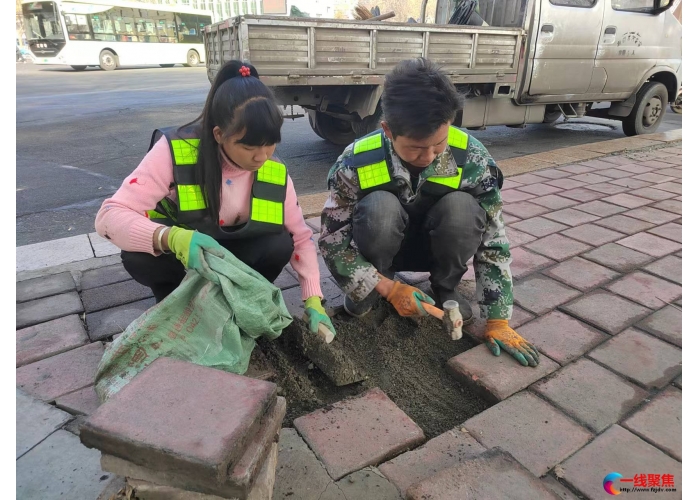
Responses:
[531,62]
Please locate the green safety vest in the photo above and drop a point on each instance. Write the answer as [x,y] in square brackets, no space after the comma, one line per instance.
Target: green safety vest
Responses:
[267,197]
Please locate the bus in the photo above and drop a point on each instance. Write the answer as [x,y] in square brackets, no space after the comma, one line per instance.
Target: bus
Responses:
[114,33]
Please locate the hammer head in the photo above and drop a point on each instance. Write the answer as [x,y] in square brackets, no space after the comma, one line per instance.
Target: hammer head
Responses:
[452,320]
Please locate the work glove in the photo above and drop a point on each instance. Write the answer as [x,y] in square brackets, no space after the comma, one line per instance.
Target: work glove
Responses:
[189,246]
[500,336]
[317,314]
[408,300]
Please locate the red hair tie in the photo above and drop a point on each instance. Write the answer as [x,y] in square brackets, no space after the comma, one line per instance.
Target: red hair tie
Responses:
[244,71]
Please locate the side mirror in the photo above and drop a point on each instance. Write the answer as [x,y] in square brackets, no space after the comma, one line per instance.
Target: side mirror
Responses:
[662,5]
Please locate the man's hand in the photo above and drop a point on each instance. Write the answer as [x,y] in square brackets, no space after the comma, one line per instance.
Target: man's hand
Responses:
[408,300]
[500,336]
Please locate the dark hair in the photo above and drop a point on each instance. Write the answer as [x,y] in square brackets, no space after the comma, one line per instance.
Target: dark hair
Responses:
[235,103]
[419,98]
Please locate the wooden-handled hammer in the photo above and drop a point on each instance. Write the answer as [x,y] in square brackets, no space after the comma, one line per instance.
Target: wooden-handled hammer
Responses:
[449,314]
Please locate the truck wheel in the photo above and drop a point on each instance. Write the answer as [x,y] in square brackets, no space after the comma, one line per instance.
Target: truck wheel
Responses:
[108,60]
[314,124]
[677,105]
[648,111]
[369,123]
[79,68]
[335,130]
[166,65]
[551,114]
[192,58]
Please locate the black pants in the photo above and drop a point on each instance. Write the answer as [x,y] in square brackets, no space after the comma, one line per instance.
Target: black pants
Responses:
[440,240]
[266,254]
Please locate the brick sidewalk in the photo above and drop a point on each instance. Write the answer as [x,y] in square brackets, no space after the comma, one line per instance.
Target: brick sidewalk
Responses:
[597,259]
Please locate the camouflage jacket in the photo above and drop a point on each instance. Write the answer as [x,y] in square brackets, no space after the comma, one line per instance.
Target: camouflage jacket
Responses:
[357,277]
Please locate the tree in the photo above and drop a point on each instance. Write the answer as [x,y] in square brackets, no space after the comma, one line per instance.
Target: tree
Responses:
[295,12]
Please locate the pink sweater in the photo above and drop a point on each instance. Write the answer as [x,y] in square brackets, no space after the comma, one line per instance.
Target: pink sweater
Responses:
[122,220]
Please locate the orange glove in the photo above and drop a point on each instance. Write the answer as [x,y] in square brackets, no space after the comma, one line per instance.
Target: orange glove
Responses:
[407,300]
[500,336]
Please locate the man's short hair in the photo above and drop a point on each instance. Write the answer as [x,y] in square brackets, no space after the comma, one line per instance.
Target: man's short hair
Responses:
[418,99]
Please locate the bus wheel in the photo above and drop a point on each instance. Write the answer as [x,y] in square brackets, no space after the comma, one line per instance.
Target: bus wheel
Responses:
[79,68]
[192,58]
[166,65]
[108,60]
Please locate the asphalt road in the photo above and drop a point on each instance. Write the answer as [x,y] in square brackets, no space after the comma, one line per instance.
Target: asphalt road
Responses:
[79,134]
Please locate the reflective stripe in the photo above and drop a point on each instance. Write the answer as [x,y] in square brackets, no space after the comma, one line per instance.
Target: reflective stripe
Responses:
[273,173]
[152,214]
[267,211]
[367,144]
[373,175]
[457,138]
[190,197]
[452,182]
[185,151]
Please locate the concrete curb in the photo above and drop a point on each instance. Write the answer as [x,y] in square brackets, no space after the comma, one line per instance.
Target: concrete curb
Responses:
[90,251]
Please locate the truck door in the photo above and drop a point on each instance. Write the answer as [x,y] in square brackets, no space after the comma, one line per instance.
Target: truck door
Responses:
[567,40]
[630,43]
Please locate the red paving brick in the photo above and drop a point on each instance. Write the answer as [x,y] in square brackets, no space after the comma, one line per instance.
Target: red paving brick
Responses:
[332,433]
[538,226]
[538,435]
[581,274]
[48,339]
[647,360]
[619,160]
[620,313]
[652,194]
[554,202]
[540,189]
[646,289]
[576,169]
[539,294]
[553,173]
[493,475]
[515,195]
[53,377]
[597,164]
[670,268]
[600,208]
[653,215]
[561,337]
[627,200]
[618,450]
[650,244]
[566,183]
[525,262]
[496,378]
[524,209]
[444,451]
[671,172]
[519,317]
[614,173]
[509,184]
[653,177]
[571,216]
[517,238]
[618,257]
[82,402]
[631,183]
[665,324]
[670,231]
[557,247]
[526,179]
[659,422]
[624,224]
[582,194]
[592,234]
[590,178]
[672,187]
[138,422]
[674,206]
[655,164]
[607,188]
[591,394]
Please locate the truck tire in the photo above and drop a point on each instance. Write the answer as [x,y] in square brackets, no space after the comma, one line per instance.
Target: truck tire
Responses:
[314,124]
[677,105]
[79,68]
[648,111]
[334,130]
[192,58]
[108,60]
[551,114]
[368,123]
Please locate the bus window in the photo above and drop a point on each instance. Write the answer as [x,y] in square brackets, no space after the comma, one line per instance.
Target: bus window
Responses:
[166,27]
[123,22]
[41,21]
[77,26]
[102,27]
[188,28]
[146,29]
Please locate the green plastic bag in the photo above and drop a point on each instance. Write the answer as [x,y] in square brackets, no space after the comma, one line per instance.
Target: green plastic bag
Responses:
[210,322]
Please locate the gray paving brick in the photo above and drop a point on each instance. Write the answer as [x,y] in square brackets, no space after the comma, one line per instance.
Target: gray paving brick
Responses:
[524,209]
[102,276]
[650,244]
[539,294]
[631,183]
[554,202]
[558,247]
[666,324]
[653,177]
[627,200]
[670,231]
[517,238]
[618,257]
[48,308]
[636,168]
[106,297]
[652,194]
[540,189]
[600,208]
[48,339]
[38,288]
[314,223]
[571,216]
[619,313]
[525,262]
[653,215]
[670,268]
[581,274]
[592,234]
[108,322]
[581,194]
[624,224]
[561,491]
[607,188]
[515,195]
[35,420]
[659,422]
[645,289]
[538,226]
[675,206]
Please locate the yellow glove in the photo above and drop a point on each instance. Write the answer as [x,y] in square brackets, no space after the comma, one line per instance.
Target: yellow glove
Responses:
[407,300]
[500,336]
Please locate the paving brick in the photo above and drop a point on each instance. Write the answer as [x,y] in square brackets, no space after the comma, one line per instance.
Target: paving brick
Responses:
[47,308]
[538,435]
[314,223]
[493,474]
[665,324]
[554,173]
[592,234]
[576,169]
[102,247]
[646,289]
[515,195]
[614,173]
[517,238]
[607,188]
[81,402]
[670,268]
[618,160]
[582,194]
[496,378]
[109,322]
[655,164]
[41,256]
[617,257]
[35,422]
[566,183]
[581,274]
[524,209]
[519,317]
[510,219]
[591,394]
[624,224]
[606,311]
[538,226]
[38,288]
[525,262]
[561,337]
[590,178]
[597,164]
[444,451]
[671,231]
[600,208]
[559,490]
[671,172]
[620,451]
[636,169]
[53,377]
[571,216]
[674,206]
[652,177]
[631,183]
[332,432]
[678,381]
[653,215]
[59,468]
[366,483]
[539,294]
[509,184]
[627,200]
[554,202]
[525,179]
[642,358]
[652,194]
[103,276]
[650,244]
[557,247]
[106,297]
[672,187]
[659,422]
[48,339]
[138,424]
[540,189]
